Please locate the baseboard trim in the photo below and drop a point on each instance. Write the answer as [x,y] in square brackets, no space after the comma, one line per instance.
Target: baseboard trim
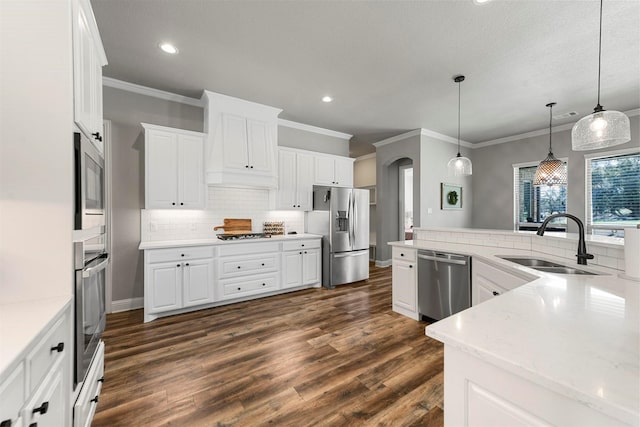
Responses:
[384,263]
[127,304]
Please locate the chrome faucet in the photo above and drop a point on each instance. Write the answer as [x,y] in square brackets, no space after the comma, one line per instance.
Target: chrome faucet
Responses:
[582,255]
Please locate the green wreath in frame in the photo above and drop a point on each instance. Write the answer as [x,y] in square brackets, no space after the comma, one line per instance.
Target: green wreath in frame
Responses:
[452,197]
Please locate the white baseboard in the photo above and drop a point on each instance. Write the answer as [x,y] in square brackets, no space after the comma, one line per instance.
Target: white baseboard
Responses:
[384,263]
[127,304]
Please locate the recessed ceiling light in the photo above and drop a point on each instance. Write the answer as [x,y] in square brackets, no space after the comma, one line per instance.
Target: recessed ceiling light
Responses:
[169,48]
[327,99]
[481,1]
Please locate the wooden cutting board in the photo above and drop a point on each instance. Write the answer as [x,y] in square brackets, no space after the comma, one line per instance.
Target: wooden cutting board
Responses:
[235,226]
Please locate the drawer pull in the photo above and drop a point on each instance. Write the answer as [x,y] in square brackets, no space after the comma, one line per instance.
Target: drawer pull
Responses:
[263,264]
[95,399]
[239,289]
[59,348]
[303,245]
[495,293]
[264,284]
[401,254]
[238,267]
[187,264]
[42,409]
[101,380]
[410,266]
[181,254]
[300,253]
[177,265]
[305,252]
[6,423]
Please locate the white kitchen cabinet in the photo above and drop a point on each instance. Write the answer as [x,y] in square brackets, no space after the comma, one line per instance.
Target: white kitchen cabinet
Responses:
[404,282]
[241,144]
[37,388]
[334,171]
[87,402]
[488,281]
[295,180]
[88,60]
[177,278]
[301,263]
[174,168]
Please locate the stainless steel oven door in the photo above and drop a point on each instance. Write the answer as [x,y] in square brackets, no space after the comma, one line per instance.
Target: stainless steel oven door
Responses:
[90,312]
[90,196]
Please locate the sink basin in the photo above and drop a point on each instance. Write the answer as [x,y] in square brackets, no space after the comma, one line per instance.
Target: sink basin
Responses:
[531,262]
[546,266]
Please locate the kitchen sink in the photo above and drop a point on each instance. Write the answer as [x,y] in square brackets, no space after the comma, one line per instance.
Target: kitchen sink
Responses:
[546,266]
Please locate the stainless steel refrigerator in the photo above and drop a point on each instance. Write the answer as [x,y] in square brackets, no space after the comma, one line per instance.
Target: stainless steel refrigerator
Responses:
[341,215]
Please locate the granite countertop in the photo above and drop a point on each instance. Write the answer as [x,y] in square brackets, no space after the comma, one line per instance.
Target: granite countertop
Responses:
[577,335]
[215,241]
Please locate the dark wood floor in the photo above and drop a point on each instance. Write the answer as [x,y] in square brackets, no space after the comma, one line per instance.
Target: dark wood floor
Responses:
[313,357]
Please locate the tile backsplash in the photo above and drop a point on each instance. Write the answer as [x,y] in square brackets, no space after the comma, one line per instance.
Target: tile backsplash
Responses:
[606,254]
[222,202]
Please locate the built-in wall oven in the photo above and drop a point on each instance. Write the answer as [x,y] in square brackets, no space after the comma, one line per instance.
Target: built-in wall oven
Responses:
[91,261]
[89,179]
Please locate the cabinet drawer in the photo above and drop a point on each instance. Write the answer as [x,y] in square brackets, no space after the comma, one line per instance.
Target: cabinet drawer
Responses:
[244,248]
[87,403]
[249,286]
[499,277]
[12,394]
[178,254]
[301,244]
[239,266]
[48,350]
[404,254]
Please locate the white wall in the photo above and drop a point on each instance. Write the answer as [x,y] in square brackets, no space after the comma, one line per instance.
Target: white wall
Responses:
[493,174]
[364,171]
[297,138]
[36,150]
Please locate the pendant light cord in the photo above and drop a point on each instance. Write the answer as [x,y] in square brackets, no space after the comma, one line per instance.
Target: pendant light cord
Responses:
[458,119]
[550,118]
[599,107]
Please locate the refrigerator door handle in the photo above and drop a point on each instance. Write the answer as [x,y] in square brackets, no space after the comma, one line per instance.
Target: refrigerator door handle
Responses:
[350,223]
[355,220]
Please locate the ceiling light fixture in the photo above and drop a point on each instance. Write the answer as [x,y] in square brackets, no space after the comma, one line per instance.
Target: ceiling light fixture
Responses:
[459,166]
[169,48]
[601,128]
[481,1]
[327,99]
[551,171]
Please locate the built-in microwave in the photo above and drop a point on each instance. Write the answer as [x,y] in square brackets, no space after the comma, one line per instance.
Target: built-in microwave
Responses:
[89,184]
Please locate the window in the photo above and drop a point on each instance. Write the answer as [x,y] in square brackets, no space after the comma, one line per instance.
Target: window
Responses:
[613,192]
[533,204]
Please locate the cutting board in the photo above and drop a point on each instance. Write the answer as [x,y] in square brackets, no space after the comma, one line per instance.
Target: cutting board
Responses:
[235,226]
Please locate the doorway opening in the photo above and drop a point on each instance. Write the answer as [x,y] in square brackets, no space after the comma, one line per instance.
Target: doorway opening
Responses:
[405,193]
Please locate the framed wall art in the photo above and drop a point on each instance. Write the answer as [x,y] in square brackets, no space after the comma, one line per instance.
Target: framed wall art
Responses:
[450,196]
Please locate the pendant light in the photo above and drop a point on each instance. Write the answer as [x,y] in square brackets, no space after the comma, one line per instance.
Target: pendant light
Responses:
[602,128]
[459,165]
[551,171]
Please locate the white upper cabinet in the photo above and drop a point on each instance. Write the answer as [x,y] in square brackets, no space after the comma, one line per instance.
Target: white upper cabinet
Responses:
[334,171]
[174,168]
[241,144]
[295,180]
[88,60]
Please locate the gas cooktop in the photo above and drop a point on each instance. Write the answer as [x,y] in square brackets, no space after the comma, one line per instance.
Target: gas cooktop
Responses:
[242,236]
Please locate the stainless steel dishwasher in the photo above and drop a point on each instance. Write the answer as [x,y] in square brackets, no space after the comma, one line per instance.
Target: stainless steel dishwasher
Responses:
[444,284]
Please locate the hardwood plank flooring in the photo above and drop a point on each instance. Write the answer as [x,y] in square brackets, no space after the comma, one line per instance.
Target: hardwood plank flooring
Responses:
[315,357]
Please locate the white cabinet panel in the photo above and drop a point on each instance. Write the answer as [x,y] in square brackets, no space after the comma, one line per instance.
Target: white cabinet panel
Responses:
[311,266]
[234,132]
[164,287]
[324,170]
[301,263]
[259,148]
[49,407]
[488,281]
[304,181]
[343,172]
[12,395]
[191,189]
[198,282]
[87,402]
[333,171]
[295,180]
[292,269]
[404,286]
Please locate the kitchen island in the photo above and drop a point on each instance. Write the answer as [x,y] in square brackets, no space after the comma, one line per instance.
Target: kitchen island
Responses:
[558,350]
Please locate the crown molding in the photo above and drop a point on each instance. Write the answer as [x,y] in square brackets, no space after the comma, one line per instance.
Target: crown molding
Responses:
[554,129]
[366,157]
[314,129]
[422,132]
[155,93]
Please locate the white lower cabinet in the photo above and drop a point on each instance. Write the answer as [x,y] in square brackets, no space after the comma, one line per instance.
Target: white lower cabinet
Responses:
[177,278]
[37,388]
[301,263]
[488,281]
[404,282]
[87,402]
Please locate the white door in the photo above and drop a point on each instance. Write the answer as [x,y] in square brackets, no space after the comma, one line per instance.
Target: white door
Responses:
[165,284]
[343,172]
[191,172]
[324,170]
[404,285]
[287,180]
[311,266]
[483,290]
[292,269]
[162,170]
[305,178]
[53,392]
[197,282]
[234,135]
[83,70]
[259,147]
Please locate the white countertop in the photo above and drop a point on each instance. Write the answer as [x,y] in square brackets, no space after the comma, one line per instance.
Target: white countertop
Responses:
[21,322]
[216,241]
[576,335]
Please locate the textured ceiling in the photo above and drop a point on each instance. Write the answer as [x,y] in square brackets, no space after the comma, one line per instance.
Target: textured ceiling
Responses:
[388,64]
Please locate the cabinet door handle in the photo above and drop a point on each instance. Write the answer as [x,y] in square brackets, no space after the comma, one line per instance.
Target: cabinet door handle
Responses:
[6,423]
[238,267]
[298,205]
[305,252]
[181,204]
[238,288]
[97,136]
[42,409]
[246,166]
[95,399]
[251,167]
[177,265]
[264,284]
[263,264]
[181,254]
[59,348]
[101,380]
[187,264]
[410,266]
[495,293]
[401,254]
[300,252]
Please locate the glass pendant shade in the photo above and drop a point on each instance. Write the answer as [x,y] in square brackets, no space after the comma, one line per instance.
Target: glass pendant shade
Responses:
[599,130]
[459,166]
[551,171]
